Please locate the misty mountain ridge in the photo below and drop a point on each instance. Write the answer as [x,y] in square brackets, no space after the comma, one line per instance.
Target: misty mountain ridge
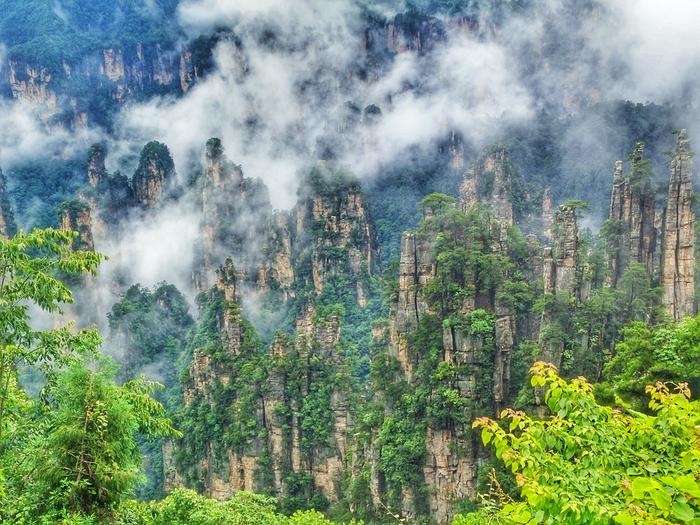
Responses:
[350,240]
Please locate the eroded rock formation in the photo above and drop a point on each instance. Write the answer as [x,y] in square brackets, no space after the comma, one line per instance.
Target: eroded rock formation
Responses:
[119,74]
[678,245]
[334,230]
[561,275]
[277,270]
[632,215]
[236,216]
[7,218]
[155,177]
[75,217]
[97,171]
[561,261]
[490,181]
[547,215]
[300,404]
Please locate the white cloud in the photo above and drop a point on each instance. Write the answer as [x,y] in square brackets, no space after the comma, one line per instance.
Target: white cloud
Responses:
[24,135]
[655,43]
[272,99]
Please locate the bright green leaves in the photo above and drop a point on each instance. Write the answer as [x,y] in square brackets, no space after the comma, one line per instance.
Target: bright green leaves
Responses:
[667,353]
[31,266]
[73,456]
[668,497]
[595,465]
[402,440]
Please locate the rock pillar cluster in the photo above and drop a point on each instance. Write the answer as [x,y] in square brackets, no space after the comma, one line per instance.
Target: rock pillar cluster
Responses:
[632,215]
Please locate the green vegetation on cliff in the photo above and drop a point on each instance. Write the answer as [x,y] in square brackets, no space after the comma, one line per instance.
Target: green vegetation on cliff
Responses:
[47,33]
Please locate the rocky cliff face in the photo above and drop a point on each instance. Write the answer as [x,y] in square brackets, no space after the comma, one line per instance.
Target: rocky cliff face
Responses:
[97,171]
[286,410]
[404,32]
[75,217]
[678,230]
[111,73]
[547,215]
[490,181]
[334,233]
[475,342]
[110,196]
[32,84]
[155,177]
[561,274]
[7,219]
[632,215]
[236,216]
[277,269]
[287,448]
[300,405]
[305,440]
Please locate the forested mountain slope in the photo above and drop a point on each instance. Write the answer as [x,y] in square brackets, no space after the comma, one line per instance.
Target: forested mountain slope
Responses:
[342,241]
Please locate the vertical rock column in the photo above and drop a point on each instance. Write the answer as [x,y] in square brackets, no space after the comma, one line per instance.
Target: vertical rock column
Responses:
[489,180]
[228,281]
[505,329]
[677,251]
[560,271]
[155,176]
[97,170]
[7,219]
[632,214]
[547,215]
[235,218]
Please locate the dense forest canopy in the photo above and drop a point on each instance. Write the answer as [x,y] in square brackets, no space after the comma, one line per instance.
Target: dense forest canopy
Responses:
[50,33]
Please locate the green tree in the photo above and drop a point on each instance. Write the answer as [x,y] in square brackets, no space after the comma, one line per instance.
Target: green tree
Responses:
[30,268]
[85,460]
[591,464]
[646,354]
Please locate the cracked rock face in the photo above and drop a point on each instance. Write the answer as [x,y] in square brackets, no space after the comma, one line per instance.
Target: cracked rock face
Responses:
[632,216]
[154,178]
[327,221]
[565,252]
[76,218]
[560,270]
[236,216]
[677,276]
[96,165]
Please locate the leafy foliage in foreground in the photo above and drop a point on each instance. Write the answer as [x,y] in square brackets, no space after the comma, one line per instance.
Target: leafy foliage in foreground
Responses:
[597,465]
[73,451]
[29,263]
